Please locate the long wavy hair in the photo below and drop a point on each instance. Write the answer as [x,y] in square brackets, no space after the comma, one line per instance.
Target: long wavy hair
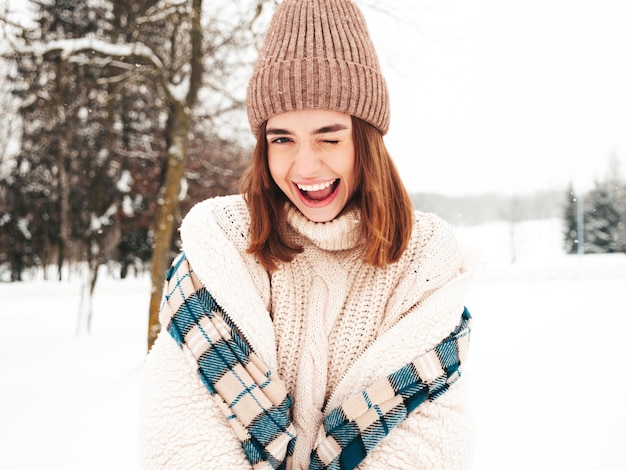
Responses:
[385,205]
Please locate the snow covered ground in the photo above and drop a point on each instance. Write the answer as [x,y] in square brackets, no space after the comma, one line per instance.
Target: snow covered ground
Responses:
[546,357]
[544,369]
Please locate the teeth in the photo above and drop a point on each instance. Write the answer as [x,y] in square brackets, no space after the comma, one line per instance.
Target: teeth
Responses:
[315,187]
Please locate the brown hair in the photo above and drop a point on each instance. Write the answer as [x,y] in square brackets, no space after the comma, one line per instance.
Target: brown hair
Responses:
[386,208]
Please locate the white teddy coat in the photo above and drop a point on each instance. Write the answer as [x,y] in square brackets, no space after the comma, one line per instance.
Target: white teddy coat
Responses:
[181,425]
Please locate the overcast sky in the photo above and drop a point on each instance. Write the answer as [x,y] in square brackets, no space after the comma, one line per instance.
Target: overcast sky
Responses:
[501,95]
[505,96]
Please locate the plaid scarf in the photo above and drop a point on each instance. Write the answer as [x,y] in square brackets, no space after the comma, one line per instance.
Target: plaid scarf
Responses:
[256,403]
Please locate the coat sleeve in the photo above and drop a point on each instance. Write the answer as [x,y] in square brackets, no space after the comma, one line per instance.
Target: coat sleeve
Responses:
[181,426]
[437,435]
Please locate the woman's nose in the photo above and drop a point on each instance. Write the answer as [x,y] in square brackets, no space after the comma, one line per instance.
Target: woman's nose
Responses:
[307,162]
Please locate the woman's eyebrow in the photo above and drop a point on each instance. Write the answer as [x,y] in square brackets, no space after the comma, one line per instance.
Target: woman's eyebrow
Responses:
[272,131]
[329,129]
[322,130]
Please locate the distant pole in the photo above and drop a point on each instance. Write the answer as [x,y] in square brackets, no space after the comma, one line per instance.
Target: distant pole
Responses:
[580,224]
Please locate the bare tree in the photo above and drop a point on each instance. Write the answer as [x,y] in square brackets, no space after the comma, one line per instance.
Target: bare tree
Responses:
[190,56]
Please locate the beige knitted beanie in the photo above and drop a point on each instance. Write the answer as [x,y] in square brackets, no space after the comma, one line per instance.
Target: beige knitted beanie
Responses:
[318,54]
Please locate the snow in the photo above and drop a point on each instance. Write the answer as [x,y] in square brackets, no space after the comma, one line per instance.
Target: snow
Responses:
[180,91]
[543,370]
[70,402]
[71,46]
[125,182]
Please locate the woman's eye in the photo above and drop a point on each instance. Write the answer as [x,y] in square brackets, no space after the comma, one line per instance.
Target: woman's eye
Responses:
[280,140]
[331,141]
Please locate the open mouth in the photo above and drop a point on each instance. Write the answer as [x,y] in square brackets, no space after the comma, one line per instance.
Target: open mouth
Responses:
[319,191]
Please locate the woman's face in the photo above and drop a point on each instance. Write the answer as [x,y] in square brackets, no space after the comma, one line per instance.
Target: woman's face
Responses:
[311,159]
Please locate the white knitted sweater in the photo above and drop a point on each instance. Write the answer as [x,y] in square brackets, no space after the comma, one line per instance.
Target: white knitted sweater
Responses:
[327,322]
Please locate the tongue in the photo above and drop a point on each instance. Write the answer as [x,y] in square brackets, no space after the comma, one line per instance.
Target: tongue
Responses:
[319,195]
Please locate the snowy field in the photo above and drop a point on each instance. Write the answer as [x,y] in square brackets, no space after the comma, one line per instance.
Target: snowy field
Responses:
[544,369]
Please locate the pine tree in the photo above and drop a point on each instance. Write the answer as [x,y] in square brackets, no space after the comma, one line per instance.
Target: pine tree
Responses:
[570,218]
[616,188]
[87,122]
[621,228]
[602,220]
[49,175]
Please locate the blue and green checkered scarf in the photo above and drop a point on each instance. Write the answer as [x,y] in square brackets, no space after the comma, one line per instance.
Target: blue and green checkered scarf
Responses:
[256,402]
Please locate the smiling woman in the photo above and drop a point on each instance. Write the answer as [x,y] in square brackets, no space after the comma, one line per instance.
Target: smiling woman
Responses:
[316,313]
[331,142]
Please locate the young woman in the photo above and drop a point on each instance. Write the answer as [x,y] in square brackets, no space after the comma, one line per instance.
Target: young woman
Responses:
[315,321]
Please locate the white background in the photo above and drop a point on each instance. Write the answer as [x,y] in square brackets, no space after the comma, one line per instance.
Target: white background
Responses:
[502,95]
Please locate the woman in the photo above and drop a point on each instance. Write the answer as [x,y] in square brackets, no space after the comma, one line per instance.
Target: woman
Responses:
[315,321]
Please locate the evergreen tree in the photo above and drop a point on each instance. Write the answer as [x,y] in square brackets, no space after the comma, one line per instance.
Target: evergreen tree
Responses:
[62,134]
[603,215]
[570,217]
[602,220]
[616,188]
[621,228]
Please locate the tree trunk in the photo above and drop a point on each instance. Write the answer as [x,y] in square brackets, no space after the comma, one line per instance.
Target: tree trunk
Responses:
[63,181]
[64,212]
[180,125]
[85,310]
[168,205]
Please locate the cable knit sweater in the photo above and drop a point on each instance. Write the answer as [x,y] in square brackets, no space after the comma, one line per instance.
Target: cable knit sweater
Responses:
[327,322]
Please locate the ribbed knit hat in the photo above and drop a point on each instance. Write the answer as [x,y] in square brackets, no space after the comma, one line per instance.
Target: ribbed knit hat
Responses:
[318,54]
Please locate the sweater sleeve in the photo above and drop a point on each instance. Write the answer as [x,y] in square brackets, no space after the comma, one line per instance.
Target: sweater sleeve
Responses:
[181,426]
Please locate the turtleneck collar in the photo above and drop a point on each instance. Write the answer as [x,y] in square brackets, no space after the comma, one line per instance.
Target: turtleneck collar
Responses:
[341,233]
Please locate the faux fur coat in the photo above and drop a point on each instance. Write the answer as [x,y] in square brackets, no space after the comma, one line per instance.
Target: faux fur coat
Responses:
[379,326]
